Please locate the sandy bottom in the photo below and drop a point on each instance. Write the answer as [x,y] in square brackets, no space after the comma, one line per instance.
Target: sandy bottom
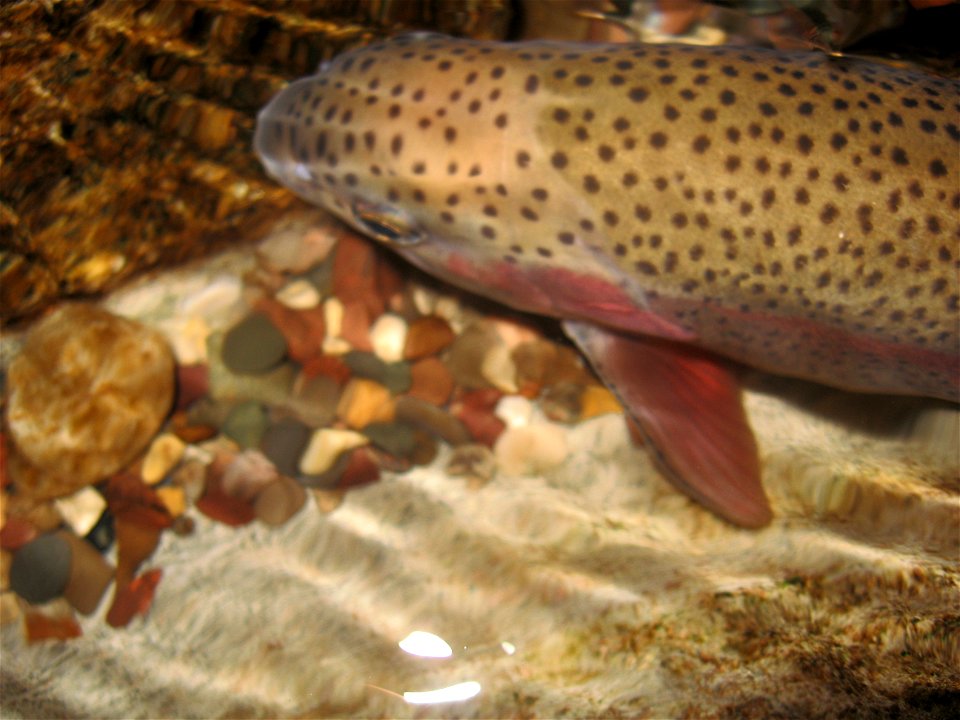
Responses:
[620,596]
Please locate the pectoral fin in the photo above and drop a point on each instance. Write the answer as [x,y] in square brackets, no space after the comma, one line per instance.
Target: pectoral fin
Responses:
[688,405]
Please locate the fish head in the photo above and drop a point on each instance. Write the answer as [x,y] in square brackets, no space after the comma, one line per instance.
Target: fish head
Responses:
[430,146]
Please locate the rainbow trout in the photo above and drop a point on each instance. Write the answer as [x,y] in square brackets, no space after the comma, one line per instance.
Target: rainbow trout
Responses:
[677,207]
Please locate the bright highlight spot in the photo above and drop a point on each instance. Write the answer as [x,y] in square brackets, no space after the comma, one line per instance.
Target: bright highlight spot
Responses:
[508,647]
[454,693]
[425,644]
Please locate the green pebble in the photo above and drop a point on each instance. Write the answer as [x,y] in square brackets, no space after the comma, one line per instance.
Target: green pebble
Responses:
[41,568]
[284,442]
[394,376]
[245,424]
[397,439]
[254,345]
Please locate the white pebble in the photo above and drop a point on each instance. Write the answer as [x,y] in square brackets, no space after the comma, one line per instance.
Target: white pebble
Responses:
[299,295]
[515,410]
[247,474]
[187,336]
[82,510]
[531,450]
[333,316]
[165,452]
[388,336]
[325,446]
[499,369]
[213,299]
[335,346]
[296,248]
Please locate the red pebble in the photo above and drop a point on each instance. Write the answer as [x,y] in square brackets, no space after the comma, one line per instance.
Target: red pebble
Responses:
[193,382]
[431,381]
[361,469]
[134,598]
[16,533]
[355,273]
[389,280]
[302,329]
[129,498]
[483,425]
[219,506]
[41,626]
[356,325]
[329,365]
[475,410]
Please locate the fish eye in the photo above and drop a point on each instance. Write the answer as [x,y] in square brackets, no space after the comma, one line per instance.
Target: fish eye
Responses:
[386,226]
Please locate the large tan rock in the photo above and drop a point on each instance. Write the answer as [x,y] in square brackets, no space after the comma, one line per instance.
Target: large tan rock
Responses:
[86,394]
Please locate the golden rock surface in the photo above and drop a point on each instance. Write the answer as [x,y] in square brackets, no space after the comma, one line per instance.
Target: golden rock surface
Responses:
[127,126]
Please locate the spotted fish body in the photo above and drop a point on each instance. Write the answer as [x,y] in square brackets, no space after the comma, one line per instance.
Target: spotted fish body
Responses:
[796,213]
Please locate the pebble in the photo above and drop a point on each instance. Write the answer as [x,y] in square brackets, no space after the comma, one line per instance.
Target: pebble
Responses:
[430,381]
[219,506]
[424,448]
[388,336]
[331,366]
[254,345]
[41,568]
[427,336]
[432,419]
[395,376]
[302,330]
[279,501]
[355,273]
[164,453]
[329,478]
[247,474]
[15,533]
[396,438]
[473,461]
[476,411]
[174,499]
[325,446]
[213,299]
[295,251]
[133,598]
[299,294]
[246,424]
[193,382]
[333,316]
[515,411]
[362,468]
[81,510]
[531,450]
[498,368]
[270,388]
[363,402]
[355,330]
[313,400]
[466,355]
[86,394]
[562,402]
[597,400]
[187,336]
[284,442]
[89,577]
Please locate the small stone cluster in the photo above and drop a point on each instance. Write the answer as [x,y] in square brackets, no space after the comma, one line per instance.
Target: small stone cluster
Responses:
[333,367]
